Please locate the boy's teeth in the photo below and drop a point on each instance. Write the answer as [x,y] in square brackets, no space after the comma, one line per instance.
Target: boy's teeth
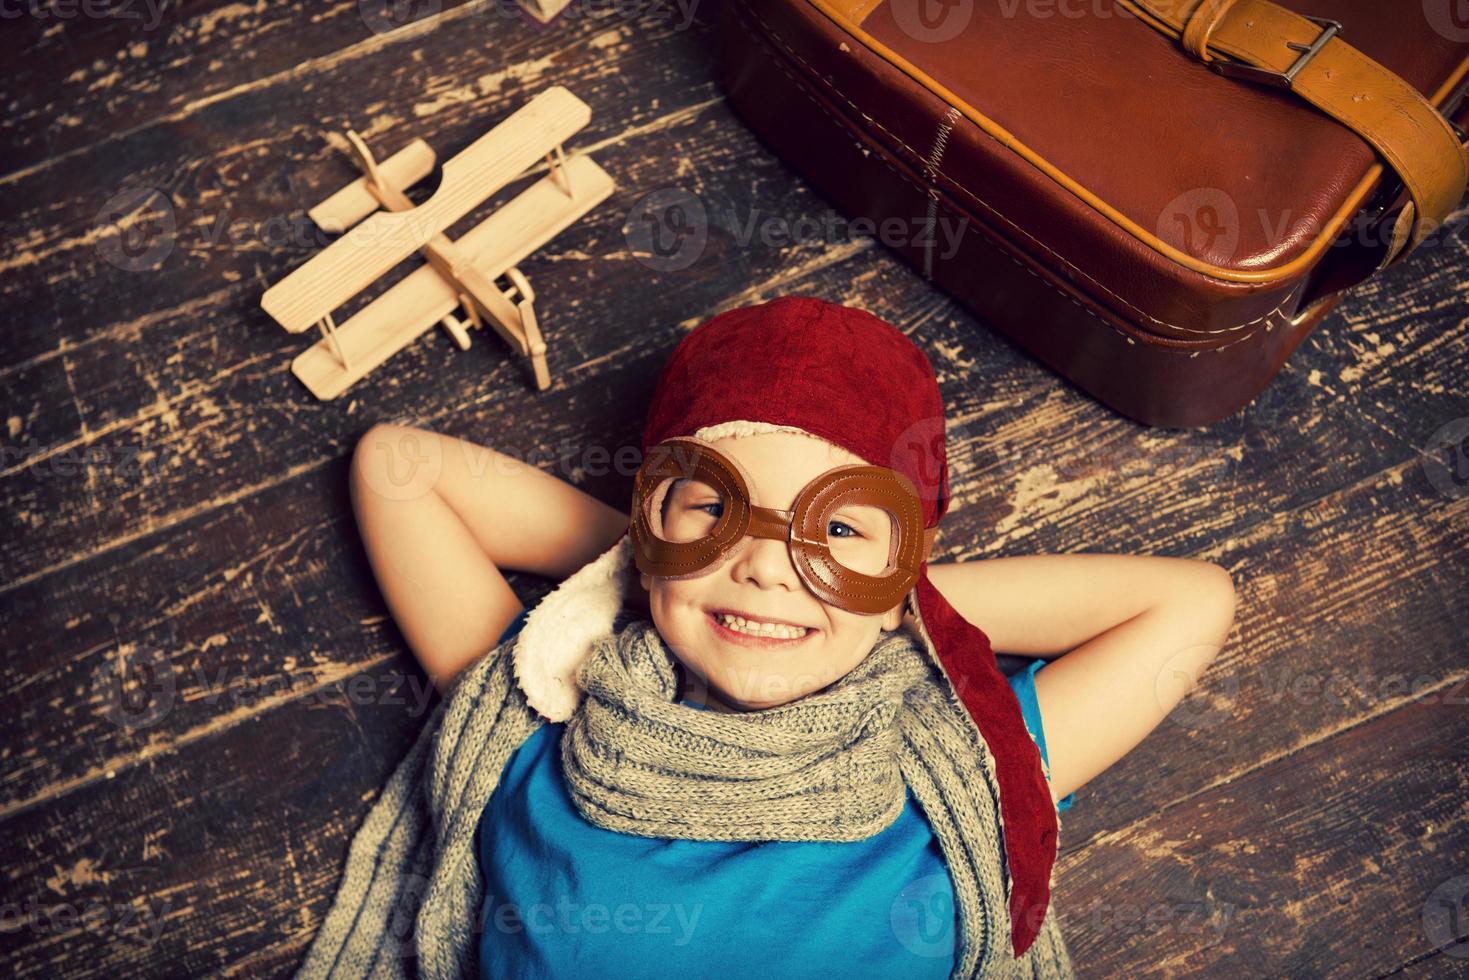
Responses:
[776,630]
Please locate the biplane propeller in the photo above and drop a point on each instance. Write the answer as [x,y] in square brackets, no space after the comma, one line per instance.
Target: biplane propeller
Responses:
[386,228]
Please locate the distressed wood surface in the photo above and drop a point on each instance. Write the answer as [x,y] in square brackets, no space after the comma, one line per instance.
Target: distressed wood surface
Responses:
[203,691]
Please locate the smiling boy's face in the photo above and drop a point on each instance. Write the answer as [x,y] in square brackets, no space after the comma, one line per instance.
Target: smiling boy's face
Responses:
[757,579]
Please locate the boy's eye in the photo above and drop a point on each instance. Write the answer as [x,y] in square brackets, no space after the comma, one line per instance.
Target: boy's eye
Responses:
[853,532]
[714,513]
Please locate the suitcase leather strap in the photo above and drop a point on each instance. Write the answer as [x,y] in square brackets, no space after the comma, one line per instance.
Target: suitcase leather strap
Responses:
[1265,42]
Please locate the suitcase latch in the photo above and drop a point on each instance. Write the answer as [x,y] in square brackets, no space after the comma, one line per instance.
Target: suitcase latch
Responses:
[1285,79]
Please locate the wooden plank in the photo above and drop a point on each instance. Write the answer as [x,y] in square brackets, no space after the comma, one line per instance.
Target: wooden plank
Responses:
[226,187]
[88,73]
[1349,558]
[1318,864]
[206,857]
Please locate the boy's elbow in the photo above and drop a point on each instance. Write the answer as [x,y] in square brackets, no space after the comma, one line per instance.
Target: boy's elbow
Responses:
[370,444]
[1218,593]
[383,455]
[362,454]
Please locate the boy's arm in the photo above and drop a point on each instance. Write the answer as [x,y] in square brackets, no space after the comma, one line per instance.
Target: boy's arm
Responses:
[442,517]
[1139,631]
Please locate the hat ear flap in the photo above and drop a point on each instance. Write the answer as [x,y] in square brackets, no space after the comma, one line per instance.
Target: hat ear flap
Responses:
[1028,821]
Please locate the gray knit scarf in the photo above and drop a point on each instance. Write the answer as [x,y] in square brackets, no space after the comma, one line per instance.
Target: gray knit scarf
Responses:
[832,766]
[822,768]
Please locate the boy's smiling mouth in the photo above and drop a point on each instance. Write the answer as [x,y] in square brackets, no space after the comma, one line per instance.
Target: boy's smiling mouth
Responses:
[733,627]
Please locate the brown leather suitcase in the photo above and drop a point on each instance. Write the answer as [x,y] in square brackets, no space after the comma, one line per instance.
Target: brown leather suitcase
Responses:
[1158,199]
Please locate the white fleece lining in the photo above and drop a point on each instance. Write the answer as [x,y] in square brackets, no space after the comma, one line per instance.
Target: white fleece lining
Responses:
[563,627]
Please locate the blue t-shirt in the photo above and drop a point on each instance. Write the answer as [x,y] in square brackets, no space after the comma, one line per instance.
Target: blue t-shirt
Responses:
[566,898]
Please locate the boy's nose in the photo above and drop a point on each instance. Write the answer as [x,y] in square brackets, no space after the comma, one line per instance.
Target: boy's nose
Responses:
[766,563]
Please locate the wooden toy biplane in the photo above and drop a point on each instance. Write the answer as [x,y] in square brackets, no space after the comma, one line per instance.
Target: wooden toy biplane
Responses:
[459,274]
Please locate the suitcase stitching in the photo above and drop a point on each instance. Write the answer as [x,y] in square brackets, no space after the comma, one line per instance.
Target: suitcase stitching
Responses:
[955,184]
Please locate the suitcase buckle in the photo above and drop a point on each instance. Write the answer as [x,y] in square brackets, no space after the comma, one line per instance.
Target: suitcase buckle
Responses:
[1285,79]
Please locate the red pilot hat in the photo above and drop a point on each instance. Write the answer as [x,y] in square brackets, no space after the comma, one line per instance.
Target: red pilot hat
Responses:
[854,380]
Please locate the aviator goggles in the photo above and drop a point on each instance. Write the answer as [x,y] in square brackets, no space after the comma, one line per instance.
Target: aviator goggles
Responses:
[869,567]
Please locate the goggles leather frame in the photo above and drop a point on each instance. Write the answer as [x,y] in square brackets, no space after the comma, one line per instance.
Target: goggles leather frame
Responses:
[802,527]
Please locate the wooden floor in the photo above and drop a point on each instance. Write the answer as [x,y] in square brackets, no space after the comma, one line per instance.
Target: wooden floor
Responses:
[201,692]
